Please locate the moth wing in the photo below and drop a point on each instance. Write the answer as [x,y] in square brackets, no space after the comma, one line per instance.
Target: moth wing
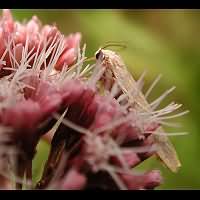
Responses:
[166,151]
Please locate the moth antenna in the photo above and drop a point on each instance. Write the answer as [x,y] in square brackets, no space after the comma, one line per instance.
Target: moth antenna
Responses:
[123,46]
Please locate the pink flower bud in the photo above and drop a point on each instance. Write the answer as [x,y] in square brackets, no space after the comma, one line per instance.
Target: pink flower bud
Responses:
[146,181]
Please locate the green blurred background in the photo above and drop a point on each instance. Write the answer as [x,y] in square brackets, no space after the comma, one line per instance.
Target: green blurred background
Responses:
[160,41]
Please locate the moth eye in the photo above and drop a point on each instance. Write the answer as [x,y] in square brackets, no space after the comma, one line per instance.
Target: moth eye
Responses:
[99,55]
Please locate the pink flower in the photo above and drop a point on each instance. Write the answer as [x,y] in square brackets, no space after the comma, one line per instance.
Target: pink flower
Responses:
[37,36]
[146,181]
[96,140]
[73,181]
[94,112]
[70,53]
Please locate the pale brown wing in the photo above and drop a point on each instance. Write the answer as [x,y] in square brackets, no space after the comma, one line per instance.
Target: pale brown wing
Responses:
[166,150]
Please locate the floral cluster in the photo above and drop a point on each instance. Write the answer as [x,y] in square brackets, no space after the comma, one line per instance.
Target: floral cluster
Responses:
[97,136]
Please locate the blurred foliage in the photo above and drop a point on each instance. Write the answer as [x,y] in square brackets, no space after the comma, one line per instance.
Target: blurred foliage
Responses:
[161,41]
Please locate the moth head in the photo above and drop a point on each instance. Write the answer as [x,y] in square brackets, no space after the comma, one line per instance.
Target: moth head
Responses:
[99,55]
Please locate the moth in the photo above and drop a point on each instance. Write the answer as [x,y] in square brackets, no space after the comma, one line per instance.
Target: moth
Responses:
[116,69]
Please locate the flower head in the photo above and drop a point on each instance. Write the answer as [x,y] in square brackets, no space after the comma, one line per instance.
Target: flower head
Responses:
[98,136]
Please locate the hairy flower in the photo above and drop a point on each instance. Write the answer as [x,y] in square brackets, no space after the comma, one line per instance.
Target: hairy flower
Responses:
[97,136]
[16,35]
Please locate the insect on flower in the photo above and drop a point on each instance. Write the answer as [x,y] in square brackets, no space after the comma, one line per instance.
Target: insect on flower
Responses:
[116,71]
[100,123]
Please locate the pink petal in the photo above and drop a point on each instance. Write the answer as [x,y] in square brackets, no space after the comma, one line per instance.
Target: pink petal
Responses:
[67,58]
[73,181]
